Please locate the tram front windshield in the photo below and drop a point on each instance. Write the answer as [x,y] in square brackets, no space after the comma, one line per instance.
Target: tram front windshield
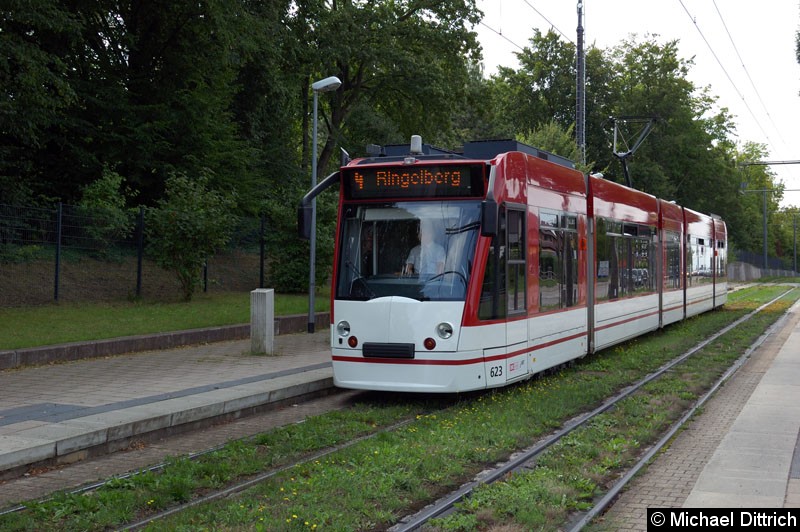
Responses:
[420,250]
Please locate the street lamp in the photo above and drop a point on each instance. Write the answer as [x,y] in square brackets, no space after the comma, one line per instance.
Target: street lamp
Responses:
[794,243]
[794,247]
[324,85]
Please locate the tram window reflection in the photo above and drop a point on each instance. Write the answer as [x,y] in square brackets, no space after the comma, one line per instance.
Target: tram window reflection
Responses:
[672,266]
[558,260]
[626,259]
[376,241]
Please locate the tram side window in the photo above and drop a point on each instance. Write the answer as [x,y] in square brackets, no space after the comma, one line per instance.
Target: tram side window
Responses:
[493,293]
[626,255]
[672,267]
[515,244]
[721,258]
[698,260]
[607,274]
[558,260]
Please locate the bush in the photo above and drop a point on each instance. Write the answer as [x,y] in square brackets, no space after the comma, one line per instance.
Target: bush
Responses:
[187,227]
[103,205]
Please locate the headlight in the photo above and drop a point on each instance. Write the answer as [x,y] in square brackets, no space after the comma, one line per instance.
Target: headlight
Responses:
[343,328]
[444,330]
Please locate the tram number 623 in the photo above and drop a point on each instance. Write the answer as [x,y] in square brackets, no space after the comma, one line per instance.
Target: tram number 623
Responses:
[496,371]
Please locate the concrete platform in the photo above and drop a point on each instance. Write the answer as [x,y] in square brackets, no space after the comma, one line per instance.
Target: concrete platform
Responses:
[751,466]
[59,413]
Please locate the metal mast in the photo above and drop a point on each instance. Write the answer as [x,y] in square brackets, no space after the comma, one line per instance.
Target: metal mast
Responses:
[580,82]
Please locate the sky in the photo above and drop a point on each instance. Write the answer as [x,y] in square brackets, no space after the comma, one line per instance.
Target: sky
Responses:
[744,51]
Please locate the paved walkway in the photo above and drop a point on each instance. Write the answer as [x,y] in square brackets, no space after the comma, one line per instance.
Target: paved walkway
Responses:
[49,413]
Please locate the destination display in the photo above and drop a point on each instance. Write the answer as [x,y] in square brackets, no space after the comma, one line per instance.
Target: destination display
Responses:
[412,182]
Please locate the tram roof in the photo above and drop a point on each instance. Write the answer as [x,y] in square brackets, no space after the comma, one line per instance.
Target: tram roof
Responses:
[478,149]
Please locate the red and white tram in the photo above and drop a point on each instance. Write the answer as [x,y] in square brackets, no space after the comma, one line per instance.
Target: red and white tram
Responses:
[458,272]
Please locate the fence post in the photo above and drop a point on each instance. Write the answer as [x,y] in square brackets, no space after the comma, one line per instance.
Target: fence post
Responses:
[139,252]
[58,251]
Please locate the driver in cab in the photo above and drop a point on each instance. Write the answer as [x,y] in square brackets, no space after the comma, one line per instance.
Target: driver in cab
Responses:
[427,258]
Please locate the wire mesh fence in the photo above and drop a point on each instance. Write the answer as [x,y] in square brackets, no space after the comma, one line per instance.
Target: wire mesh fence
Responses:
[757,260]
[75,254]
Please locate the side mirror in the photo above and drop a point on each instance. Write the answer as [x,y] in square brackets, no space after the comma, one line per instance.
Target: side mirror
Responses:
[489,218]
[304,214]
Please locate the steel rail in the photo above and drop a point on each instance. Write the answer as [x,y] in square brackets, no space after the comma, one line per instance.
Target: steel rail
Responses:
[241,486]
[611,495]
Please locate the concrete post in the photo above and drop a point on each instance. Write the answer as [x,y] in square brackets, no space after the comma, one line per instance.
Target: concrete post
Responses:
[262,321]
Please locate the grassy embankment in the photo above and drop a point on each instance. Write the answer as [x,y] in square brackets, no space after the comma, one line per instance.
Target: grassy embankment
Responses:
[60,323]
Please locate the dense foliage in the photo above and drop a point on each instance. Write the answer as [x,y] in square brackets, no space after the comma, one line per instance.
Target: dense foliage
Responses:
[145,90]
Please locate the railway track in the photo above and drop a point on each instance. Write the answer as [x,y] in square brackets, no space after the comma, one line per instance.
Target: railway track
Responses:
[519,461]
[528,457]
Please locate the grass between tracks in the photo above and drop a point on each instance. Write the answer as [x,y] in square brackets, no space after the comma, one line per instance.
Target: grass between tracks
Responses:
[75,322]
[372,483]
[582,466]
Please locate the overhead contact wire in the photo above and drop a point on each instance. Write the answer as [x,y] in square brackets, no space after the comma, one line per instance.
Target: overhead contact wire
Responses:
[733,84]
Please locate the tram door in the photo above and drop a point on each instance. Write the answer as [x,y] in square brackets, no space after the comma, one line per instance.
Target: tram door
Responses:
[508,361]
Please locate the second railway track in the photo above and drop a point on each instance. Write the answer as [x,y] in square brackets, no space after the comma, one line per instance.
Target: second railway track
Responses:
[527,458]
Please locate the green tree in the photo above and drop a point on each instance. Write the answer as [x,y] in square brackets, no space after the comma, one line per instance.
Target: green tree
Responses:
[104,203]
[177,63]
[690,150]
[753,181]
[543,88]
[479,115]
[289,258]
[267,106]
[651,82]
[189,224]
[786,236]
[36,90]
[555,139]
[408,60]
[144,87]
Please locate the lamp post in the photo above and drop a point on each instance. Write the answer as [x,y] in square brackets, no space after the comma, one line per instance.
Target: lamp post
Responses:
[324,85]
[794,247]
